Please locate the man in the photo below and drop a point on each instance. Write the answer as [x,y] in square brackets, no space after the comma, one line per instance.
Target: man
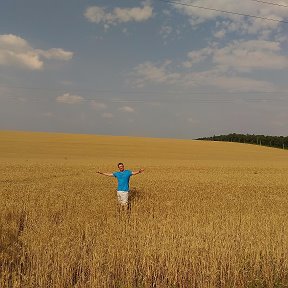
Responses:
[123,177]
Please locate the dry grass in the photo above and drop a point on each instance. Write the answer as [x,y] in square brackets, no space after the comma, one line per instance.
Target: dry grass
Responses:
[204,214]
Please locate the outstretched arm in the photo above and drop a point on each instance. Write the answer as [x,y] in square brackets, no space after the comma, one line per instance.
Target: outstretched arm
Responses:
[137,172]
[106,174]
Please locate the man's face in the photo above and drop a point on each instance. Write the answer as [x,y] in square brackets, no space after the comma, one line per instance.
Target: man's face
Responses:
[121,167]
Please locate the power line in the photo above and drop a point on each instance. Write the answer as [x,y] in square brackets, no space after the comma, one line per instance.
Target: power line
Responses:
[118,91]
[171,96]
[211,100]
[223,11]
[271,3]
[134,92]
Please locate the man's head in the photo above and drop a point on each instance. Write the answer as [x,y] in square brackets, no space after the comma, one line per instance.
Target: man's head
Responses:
[121,167]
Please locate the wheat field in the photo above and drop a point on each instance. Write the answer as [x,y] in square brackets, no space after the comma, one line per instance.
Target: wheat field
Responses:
[203,214]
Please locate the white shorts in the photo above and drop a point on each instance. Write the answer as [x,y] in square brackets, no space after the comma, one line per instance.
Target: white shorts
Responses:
[123,197]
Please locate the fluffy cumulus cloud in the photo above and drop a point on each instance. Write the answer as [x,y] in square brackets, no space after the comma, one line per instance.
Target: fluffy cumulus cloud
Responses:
[251,55]
[101,15]
[239,84]
[241,48]
[226,22]
[229,67]
[242,56]
[156,73]
[216,78]
[17,52]
[198,56]
[69,98]
[55,53]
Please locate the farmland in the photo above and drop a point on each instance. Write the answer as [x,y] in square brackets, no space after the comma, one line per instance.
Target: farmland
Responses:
[203,214]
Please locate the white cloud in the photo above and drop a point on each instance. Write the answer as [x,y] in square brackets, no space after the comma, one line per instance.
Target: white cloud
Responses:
[69,99]
[100,15]
[244,56]
[98,105]
[251,55]
[150,72]
[107,115]
[222,80]
[27,60]
[127,109]
[240,84]
[234,23]
[96,14]
[17,52]
[198,56]
[223,68]
[56,53]
[13,42]
[220,34]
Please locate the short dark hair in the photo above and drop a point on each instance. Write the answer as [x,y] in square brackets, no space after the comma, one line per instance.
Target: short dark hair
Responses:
[120,164]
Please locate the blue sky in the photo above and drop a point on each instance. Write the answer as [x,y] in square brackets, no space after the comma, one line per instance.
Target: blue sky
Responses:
[144,68]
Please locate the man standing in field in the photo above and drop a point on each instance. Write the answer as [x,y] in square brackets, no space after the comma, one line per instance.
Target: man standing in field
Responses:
[123,178]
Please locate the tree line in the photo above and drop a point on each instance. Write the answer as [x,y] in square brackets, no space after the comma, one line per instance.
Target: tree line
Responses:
[270,141]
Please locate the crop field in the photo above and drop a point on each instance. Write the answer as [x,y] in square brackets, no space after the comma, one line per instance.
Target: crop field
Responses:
[203,214]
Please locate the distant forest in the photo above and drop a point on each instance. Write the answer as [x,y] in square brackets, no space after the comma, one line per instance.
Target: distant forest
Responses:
[270,141]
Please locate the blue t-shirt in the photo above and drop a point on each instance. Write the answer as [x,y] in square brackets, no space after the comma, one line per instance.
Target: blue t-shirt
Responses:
[123,179]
